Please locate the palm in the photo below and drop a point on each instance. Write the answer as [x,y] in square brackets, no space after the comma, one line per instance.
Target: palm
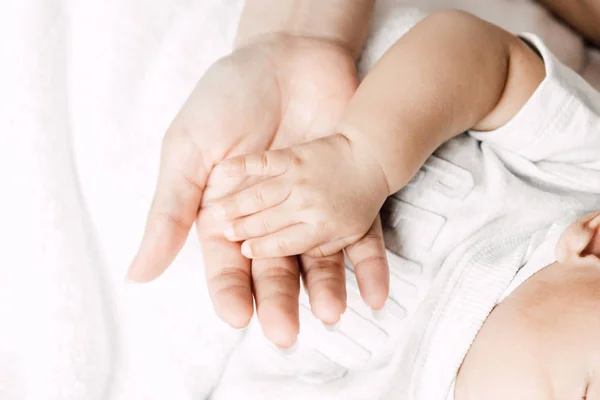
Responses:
[254,102]
[320,84]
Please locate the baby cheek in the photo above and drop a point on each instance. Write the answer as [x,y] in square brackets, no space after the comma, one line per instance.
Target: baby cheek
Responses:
[516,358]
[499,368]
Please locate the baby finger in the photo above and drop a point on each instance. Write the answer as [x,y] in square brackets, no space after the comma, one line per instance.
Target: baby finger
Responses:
[270,163]
[249,201]
[293,240]
[260,224]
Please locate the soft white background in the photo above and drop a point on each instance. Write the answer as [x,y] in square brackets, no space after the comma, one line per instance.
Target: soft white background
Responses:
[87,88]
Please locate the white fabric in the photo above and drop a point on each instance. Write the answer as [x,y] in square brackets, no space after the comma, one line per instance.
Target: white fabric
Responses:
[86,92]
[87,89]
[542,253]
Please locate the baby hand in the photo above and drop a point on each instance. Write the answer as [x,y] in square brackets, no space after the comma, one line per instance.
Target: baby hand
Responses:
[317,197]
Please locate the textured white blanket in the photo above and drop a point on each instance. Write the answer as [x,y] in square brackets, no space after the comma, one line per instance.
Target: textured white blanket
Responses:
[86,91]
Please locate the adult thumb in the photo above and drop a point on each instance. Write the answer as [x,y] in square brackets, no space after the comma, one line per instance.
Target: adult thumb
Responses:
[177,197]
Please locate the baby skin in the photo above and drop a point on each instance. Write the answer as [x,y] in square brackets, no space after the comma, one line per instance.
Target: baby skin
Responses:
[451,73]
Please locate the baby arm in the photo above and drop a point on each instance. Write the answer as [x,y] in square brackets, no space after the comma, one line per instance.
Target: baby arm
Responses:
[583,15]
[450,73]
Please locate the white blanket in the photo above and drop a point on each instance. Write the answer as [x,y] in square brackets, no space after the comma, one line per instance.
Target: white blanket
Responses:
[86,91]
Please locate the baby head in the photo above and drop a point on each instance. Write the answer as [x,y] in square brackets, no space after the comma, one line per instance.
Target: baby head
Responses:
[543,341]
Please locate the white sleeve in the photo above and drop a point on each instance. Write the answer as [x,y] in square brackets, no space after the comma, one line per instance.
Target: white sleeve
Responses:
[560,123]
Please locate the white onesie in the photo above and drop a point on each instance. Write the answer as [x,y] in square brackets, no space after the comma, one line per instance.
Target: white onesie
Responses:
[458,235]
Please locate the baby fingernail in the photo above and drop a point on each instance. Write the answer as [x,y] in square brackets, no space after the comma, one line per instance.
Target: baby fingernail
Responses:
[246,251]
[332,327]
[229,232]
[379,315]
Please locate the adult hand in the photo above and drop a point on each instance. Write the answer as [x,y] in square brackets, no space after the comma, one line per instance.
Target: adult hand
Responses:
[275,92]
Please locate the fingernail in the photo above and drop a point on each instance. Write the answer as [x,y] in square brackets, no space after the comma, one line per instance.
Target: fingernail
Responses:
[332,327]
[130,281]
[379,315]
[289,351]
[246,251]
[229,233]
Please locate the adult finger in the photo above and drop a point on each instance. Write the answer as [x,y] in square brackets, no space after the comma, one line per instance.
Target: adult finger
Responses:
[371,266]
[324,279]
[276,291]
[228,280]
[178,193]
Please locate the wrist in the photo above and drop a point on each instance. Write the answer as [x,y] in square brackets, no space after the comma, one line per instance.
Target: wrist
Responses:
[369,172]
[397,159]
[343,22]
[582,15]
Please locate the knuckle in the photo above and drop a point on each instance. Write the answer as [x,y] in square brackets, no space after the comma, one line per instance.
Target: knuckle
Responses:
[176,220]
[304,197]
[228,277]
[282,244]
[370,261]
[326,272]
[276,294]
[259,198]
[294,161]
[304,183]
[265,162]
[277,274]
[326,268]
[266,226]
[301,202]
[372,236]
[238,228]
[317,252]
[234,207]
[246,164]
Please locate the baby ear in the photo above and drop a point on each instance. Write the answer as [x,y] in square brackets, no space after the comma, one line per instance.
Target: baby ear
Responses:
[593,247]
[579,245]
